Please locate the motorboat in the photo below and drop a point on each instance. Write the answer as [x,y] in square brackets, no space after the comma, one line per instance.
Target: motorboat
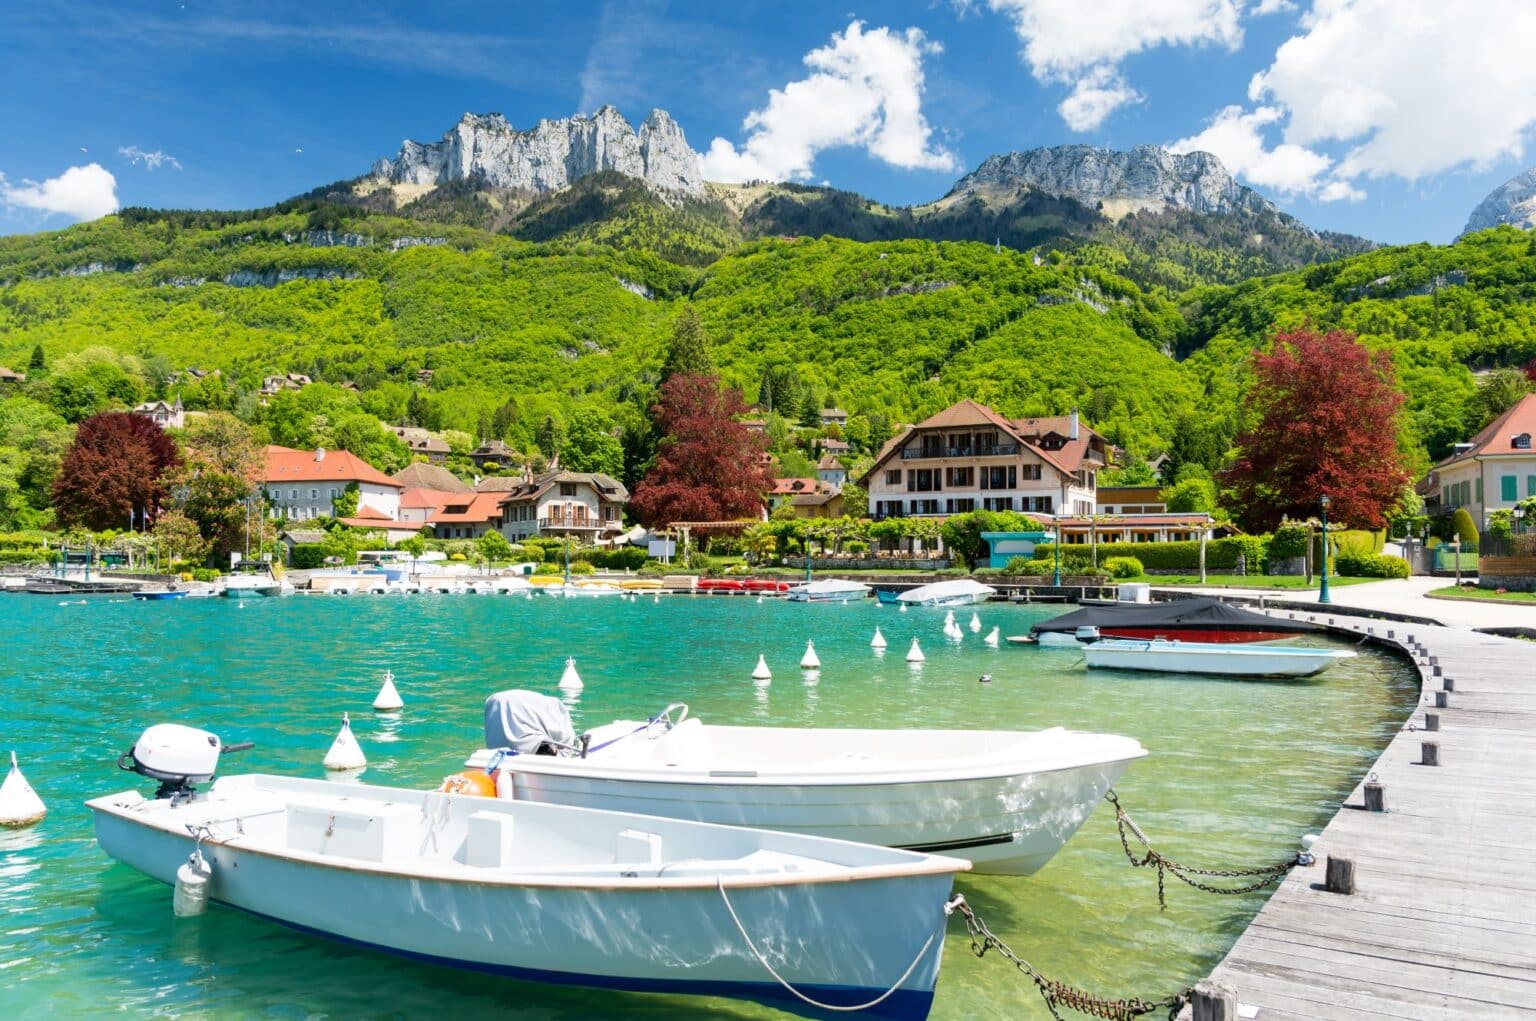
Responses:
[252,586]
[585,588]
[828,590]
[1006,800]
[160,593]
[542,892]
[957,592]
[1202,619]
[1222,658]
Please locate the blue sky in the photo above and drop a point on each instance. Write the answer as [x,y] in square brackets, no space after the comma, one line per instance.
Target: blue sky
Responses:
[1385,118]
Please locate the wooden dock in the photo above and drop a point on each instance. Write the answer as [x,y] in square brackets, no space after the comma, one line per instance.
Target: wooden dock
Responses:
[1442,923]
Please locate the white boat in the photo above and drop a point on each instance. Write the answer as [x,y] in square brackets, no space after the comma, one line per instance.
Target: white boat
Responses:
[958,592]
[253,586]
[584,588]
[548,892]
[829,590]
[1007,800]
[1227,659]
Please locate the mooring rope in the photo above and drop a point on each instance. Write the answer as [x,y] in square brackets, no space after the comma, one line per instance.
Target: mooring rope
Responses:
[1263,875]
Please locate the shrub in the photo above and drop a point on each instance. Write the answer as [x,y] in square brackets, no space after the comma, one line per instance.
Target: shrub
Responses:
[205,574]
[1465,530]
[1220,554]
[307,556]
[547,568]
[1090,572]
[856,547]
[580,567]
[1369,565]
[1124,567]
[1289,541]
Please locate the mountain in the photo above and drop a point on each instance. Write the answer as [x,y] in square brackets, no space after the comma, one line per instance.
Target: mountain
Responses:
[1513,202]
[552,155]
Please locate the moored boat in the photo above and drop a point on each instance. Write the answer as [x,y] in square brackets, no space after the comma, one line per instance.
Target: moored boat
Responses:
[161,593]
[549,892]
[1222,658]
[1006,800]
[958,592]
[827,590]
[1203,619]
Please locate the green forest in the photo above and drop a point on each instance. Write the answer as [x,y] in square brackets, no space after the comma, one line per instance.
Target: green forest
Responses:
[488,335]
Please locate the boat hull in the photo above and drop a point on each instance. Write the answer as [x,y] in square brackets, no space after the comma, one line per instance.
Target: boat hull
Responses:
[1212,659]
[842,943]
[961,592]
[160,595]
[1208,636]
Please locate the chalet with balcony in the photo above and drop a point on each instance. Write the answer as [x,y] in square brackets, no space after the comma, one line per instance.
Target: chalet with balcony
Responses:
[1494,470]
[585,505]
[166,416]
[968,457]
[423,443]
[494,454]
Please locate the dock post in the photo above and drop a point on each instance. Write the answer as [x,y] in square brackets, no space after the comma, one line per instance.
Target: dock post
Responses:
[1436,671]
[1213,1001]
[1340,877]
[1449,684]
[1431,721]
[1431,754]
[1442,700]
[1375,797]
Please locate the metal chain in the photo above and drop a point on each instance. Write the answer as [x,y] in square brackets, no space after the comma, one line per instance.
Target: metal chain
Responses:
[1267,875]
[1059,994]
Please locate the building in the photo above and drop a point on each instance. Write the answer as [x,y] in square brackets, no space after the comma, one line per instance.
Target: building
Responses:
[423,443]
[1136,528]
[968,457]
[423,475]
[585,505]
[1494,470]
[833,416]
[466,515]
[1131,500]
[494,454]
[836,448]
[289,381]
[808,498]
[11,376]
[301,484]
[371,520]
[166,416]
[831,471]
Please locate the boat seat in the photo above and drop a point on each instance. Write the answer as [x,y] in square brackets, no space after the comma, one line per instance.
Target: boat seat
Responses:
[488,840]
[684,746]
[637,847]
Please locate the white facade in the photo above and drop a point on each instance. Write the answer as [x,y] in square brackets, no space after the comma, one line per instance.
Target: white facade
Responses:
[574,507]
[928,486]
[1487,483]
[303,501]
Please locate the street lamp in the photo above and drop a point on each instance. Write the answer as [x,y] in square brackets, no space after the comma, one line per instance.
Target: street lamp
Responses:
[1056,546]
[1322,592]
[1519,520]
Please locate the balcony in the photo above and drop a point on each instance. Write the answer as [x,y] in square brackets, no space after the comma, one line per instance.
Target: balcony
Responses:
[580,521]
[994,450]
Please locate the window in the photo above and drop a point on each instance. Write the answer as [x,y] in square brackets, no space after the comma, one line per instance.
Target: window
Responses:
[1530,485]
[962,477]
[961,506]
[314,494]
[893,478]
[1521,442]
[567,489]
[1479,489]
[335,492]
[1509,490]
[293,494]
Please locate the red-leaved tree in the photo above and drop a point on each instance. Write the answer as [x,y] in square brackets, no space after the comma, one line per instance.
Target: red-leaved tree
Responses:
[111,473]
[1326,422]
[707,464]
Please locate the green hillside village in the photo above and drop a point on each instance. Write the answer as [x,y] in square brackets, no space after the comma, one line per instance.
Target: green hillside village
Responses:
[357,380]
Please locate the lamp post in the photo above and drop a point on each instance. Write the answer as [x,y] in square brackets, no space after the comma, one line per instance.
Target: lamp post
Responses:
[1519,520]
[1322,592]
[1056,548]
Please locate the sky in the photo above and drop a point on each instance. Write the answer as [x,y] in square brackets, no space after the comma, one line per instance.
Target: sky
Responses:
[1389,119]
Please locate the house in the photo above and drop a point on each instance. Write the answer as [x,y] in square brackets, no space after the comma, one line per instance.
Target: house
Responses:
[467,515]
[301,484]
[585,505]
[1493,471]
[11,376]
[835,447]
[423,377]
[494,454]
[1131,500]
[271,385]
[831,471]
[423,475]
[166,416]
[755,425]
[423,443]
[1135,528]
[968,457]
[419,504]
[833,416]
[373,521]
[808,498]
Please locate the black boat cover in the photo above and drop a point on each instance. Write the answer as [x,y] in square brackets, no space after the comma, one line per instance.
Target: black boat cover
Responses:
[1204,613]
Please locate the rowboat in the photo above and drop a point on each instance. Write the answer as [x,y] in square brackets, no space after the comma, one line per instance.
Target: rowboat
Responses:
[552,893]
[829,590]
[161,593]
[958,592]
[1006,800]
[1175,657]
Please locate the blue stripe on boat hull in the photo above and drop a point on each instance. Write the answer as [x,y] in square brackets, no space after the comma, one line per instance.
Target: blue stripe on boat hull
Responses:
[902,1005]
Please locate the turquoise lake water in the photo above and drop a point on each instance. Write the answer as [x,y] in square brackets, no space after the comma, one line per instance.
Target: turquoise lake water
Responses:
[1237,771]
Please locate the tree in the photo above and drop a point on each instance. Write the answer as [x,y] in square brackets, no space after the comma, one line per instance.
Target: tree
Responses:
[217,483]
[179,538]
[494,547]
[549,437]
[1325,422]
[504,418]
[110,477]
[591,446]
[415,546]
[688,354]
[1496,394]
[345,504]
[707,463]
[38,362]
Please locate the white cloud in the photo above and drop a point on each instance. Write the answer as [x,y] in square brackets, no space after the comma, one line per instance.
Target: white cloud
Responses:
[1065,43]
[865,89]
[84,193]
[1414,87]
[151,160]
[1095,96]
[1273,7]
[1237,138]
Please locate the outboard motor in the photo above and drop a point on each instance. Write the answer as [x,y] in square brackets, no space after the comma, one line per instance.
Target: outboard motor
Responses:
[177,756]
[528,723]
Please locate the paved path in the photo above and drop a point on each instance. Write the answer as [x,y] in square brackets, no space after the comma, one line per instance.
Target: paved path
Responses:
[1443,922]
[1404,596]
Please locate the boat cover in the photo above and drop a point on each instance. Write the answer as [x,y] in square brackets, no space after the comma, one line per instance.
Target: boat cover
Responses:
[1202,614]
[525,720]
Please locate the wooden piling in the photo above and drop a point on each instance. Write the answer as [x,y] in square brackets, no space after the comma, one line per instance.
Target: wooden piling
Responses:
[1431,721]
[1375,797]
[1213,1001]
[1442,700]
[1431,754]
[1448,684]
[1340,875]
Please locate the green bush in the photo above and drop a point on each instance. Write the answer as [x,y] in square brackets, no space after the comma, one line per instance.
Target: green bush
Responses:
[1124,567]
[581,567]
[630,558]
[1289,540]
[547,568]
[205,574]
[1369,565]
[307,556]
[23,556]
[1220,554]
[1465,529]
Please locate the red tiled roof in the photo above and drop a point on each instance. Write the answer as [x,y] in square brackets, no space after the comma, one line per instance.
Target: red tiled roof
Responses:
[468,509]
[367,517]
[789,487]
[426,499]
[284,464]
[1498,437]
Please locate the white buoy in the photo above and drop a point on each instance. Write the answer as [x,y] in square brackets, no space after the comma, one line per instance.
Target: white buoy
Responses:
[345,752]
[952,631]
[656,599]
[570,680]
[975,624]
[191,896]
[761,671]
[810,661]
[915,654]
[903,607]
[877,642]
[388,700]
[993,638]
[19,804]
[759,598]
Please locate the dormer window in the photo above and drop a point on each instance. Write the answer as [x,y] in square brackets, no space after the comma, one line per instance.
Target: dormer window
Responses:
[1522,442]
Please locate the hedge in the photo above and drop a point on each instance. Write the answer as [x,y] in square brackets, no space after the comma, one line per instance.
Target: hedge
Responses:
[307,556]
[630,558]
[1124,567]
[1369,565]
[1220,554]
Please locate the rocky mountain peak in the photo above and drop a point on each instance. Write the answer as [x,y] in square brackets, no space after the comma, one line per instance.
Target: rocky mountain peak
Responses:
[551,155]
[1513,202]
[1145,178]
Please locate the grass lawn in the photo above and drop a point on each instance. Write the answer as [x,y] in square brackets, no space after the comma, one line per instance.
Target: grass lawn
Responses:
[1482,595]
[1280,581]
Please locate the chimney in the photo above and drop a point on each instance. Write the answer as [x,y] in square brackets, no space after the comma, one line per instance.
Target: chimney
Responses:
[319,454]
[1074,424]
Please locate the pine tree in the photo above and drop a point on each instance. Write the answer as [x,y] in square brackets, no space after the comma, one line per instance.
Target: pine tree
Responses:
[689,349]
[38,362]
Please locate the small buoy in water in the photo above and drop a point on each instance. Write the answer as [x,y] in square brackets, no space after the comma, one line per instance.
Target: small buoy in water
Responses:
[191,896]
[759,598]
[952,631]
[761,671]
[345,752]
[993,637]
[810,661]
[19,804]
[975,624]
[877,642]
[388,699]
[915,654]
[903,607]
[986,678]
[656,599]
[570,680]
